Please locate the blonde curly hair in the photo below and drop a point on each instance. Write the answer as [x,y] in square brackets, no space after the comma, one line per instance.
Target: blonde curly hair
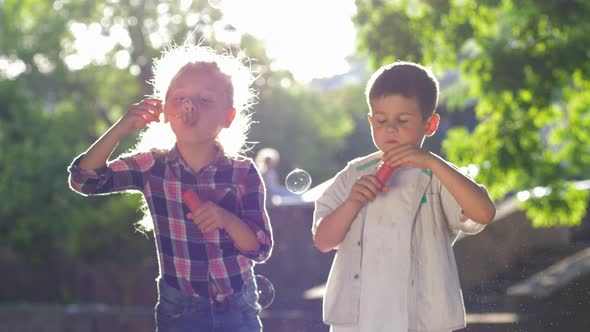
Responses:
[236,72]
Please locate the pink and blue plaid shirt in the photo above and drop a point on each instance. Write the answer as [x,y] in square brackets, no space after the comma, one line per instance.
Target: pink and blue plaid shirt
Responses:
[188,258]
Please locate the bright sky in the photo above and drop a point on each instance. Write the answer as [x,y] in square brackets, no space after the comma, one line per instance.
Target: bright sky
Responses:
[310,38]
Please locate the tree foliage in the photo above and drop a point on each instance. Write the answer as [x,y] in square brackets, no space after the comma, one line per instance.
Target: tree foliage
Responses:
[527,64]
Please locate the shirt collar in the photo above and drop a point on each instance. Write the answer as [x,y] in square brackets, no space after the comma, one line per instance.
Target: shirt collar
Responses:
[173,157]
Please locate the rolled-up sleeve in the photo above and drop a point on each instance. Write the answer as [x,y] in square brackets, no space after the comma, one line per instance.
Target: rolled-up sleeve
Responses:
[254,214]
[123,174]
[332,197]
[454,213]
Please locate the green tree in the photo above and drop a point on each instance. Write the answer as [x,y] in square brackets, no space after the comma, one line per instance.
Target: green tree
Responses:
[290,118]
[526,63]
[292,121]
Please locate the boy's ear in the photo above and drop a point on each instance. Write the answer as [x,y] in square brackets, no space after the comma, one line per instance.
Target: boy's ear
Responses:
[432,125]
[230,117]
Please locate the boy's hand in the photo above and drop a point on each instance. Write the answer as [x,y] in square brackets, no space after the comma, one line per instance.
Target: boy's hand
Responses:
[210,216]
[365,189]
[407,155]
[140,114]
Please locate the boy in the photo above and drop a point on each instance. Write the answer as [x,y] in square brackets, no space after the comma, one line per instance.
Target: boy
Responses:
[395,269]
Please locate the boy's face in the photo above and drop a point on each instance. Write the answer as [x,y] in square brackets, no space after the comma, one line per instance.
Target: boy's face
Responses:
[201,89]
[396,120]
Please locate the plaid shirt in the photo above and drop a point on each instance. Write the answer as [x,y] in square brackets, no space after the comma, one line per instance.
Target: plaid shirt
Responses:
[188,258]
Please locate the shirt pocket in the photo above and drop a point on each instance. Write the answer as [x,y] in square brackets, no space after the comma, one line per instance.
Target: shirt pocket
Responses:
[225,195]
[431,210]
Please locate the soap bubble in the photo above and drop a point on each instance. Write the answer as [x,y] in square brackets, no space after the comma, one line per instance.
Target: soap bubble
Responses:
[298,181]
[258,292]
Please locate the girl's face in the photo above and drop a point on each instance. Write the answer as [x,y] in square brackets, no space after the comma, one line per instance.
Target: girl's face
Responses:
[202,89]
[396,119]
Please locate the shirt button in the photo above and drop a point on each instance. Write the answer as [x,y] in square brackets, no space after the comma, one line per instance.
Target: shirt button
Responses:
[358,243]
[356,276]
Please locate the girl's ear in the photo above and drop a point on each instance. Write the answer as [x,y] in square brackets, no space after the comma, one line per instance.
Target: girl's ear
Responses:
[432,125]
[165,114]
[230,117]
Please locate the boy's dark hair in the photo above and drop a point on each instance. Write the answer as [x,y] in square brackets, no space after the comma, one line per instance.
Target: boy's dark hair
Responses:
[408,79]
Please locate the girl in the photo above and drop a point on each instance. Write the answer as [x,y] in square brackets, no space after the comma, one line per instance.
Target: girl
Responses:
[193,140]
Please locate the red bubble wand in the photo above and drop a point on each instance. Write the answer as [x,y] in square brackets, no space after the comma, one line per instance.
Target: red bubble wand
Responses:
[191,200]
[384,172]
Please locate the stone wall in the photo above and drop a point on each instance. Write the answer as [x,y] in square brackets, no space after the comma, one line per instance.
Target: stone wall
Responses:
[481,257]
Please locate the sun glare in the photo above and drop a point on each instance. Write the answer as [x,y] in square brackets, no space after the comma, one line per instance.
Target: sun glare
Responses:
[11,67]
[89,46]
[310,38]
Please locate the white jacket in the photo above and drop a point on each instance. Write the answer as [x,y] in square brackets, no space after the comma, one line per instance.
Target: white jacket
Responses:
[432,292]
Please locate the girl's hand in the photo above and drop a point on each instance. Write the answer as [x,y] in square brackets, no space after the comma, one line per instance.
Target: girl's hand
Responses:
[140,114]
[365,189]
[210,216]
[407,155]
